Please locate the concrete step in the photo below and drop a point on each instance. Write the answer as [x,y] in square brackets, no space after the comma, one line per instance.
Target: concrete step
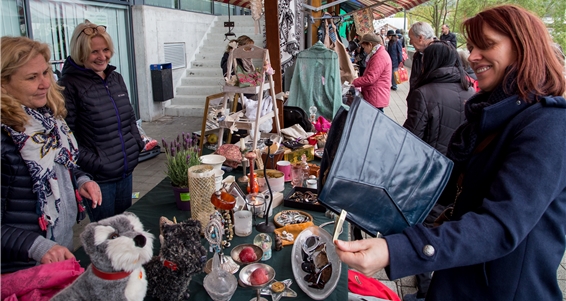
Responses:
[197,100]
[214,50]
[207,63]
[185,110]
[202,81]
[219,36]
[198,90]
[204,76]
[205,72]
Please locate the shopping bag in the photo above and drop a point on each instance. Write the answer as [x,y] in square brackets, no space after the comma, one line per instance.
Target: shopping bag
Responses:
[401,75]
[405,55]
[385,177]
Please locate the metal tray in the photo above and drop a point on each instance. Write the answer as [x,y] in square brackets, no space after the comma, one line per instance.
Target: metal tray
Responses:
[297,260]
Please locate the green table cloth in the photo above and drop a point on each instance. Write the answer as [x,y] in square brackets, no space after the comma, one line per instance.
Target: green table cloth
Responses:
[160,202]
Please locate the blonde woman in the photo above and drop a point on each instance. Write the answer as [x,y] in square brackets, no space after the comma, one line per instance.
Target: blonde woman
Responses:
[39,161]
[102,118]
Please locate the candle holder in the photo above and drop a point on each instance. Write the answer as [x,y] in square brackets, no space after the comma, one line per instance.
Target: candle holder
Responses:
[256,204]
[267,227]
[244,178]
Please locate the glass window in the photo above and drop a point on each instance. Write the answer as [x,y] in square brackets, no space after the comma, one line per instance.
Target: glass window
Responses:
[53,23]
[201,6]
[13,18]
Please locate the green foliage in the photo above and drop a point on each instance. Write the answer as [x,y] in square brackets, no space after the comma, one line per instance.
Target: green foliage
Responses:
[454,12]
[181,154]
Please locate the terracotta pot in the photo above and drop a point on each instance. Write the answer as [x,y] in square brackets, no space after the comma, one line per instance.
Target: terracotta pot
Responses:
[182,198]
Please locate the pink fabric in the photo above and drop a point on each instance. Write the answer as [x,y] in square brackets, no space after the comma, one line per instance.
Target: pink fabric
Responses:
[322,125]
[359,284]
[40,282]
[376,81]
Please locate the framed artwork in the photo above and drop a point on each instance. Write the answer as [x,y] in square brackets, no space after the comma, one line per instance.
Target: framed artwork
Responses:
[237,192]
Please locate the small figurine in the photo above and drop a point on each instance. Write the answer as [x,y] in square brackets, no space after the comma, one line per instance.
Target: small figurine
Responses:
[278,243]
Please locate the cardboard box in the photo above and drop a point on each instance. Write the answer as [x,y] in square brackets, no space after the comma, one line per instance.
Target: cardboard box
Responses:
[294,156]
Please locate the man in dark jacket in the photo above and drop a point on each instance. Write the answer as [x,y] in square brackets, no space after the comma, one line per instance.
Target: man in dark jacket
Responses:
[420,35]
[447,35]
[435,108]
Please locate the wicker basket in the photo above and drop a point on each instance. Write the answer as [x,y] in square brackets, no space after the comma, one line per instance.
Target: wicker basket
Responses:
[201,185]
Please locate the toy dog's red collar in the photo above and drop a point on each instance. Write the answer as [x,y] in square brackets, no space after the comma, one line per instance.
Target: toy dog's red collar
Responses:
[109,276]
[170,265]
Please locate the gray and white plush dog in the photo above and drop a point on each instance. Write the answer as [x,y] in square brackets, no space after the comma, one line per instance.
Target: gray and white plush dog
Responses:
[180,257]
[118,247]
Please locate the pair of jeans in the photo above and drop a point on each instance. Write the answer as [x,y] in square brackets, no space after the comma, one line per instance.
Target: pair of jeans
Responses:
[116,198]
[393,82]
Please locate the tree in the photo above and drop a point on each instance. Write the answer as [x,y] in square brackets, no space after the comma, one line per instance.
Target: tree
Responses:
[454,12]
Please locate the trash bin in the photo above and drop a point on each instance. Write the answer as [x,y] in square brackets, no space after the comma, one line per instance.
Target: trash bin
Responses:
[162,81]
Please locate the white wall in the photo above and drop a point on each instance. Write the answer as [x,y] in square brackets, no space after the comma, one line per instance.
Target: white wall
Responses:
[152,27]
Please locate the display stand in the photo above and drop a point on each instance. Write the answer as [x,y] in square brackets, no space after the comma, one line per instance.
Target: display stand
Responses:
[209,123]
[237,119]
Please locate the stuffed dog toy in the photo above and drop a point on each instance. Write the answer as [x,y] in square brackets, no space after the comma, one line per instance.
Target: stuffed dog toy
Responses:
[118,247]
[181,255]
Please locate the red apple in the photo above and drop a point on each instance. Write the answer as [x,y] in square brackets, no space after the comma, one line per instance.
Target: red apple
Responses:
[248,255]
[259,276]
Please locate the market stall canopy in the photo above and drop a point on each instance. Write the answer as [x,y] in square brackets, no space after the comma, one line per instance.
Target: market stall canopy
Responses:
[380,8]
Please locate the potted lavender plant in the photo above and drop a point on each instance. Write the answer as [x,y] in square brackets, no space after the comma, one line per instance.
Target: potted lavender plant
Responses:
[181,153]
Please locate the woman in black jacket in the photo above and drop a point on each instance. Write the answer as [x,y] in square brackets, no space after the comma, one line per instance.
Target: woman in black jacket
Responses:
[435,108]
[102,118]
[39,161]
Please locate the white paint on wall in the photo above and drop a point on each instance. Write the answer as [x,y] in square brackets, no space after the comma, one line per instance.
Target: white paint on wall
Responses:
[152,28]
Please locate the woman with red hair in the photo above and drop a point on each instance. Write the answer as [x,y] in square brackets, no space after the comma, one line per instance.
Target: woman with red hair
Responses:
[503,237]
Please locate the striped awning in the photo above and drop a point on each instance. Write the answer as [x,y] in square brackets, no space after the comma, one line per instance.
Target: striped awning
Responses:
[381,8]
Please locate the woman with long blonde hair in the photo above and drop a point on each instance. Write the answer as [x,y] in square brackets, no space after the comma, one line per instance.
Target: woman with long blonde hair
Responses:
[40,174]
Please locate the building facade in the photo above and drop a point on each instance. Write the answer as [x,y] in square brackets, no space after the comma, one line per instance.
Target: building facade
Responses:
[144,32]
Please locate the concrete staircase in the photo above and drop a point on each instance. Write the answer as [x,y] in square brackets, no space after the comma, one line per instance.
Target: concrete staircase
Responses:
[204,76]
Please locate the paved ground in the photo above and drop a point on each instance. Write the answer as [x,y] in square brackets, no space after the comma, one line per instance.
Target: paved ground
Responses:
[149,173]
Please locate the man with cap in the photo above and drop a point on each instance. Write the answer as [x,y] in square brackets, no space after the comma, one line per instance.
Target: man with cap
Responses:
[399,32]
[421,35]
[396,54]
[376,80]
[447,35]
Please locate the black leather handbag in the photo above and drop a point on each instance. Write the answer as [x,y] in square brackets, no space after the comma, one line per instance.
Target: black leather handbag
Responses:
[385,177]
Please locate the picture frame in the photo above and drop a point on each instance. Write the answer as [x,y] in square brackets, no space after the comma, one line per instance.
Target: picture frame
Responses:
[240,196]
[212,106]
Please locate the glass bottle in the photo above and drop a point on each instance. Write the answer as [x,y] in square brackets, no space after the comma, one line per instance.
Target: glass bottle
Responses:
[264,241]
[306,169]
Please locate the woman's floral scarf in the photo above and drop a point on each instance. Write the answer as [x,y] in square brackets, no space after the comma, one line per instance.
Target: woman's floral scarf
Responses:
[45,141]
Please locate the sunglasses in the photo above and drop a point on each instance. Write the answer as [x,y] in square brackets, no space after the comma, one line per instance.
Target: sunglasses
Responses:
[315,262]
[92,30]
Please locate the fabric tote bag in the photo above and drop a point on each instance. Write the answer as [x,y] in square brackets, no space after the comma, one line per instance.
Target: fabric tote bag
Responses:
[385,177]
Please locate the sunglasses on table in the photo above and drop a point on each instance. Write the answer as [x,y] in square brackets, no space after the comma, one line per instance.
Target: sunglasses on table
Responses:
[92,30]
[315,262]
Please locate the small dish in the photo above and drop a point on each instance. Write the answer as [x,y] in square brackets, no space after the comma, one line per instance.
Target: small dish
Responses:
[288,217]
[235,253]
[247,271]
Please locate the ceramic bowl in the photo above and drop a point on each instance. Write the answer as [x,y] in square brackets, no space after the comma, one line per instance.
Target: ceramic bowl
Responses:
[214,160]
[235,253]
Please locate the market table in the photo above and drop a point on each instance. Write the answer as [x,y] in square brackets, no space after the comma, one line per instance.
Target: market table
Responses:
[160,202]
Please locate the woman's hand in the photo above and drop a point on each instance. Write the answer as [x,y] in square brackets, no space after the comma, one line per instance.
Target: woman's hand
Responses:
[57,253]
[368,256]
[91,190]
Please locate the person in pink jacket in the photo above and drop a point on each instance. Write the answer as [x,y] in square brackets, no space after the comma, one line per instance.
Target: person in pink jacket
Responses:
[376,80]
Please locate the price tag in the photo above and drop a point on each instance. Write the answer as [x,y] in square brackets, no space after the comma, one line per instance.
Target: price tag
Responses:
[338,224]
